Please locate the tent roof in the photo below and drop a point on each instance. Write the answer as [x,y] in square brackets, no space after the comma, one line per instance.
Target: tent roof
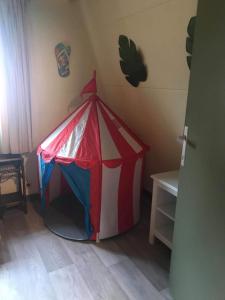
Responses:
[91,133]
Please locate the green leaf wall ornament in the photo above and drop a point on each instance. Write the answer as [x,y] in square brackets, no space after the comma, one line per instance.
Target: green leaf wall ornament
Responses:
[190,40]
[131,61]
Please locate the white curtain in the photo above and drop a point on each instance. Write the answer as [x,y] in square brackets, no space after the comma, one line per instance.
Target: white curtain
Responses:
[15,110]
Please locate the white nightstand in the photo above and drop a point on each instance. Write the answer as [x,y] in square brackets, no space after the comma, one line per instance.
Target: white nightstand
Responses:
[164,198]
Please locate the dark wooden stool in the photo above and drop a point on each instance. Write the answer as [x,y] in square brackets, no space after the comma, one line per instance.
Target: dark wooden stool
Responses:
[12,167]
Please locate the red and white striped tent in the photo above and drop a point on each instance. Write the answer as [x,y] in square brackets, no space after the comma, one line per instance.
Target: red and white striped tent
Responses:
[93,138]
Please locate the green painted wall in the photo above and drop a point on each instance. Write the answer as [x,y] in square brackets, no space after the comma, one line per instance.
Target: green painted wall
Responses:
[198,260]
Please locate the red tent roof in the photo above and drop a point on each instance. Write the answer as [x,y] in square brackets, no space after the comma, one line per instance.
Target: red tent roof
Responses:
[91,133]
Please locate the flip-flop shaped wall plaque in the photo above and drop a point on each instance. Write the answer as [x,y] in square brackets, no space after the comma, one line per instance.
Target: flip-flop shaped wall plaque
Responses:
[62,53]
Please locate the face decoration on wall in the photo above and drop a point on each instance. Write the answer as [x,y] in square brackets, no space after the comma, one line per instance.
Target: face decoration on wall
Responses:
[131,61]
[190,40]
[62,53]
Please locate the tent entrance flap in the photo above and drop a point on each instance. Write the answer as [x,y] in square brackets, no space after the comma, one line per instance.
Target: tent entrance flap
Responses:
[79,182]
[45,172]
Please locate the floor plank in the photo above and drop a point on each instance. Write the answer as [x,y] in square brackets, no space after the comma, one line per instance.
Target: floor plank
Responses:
[25,280]
[134,282]
[109,252]
[98,278]
[18,236]
[5,256]
[52,251]
[77,247]
[166,294]
[69,284]
[36,264]
[34,220]
[144,260]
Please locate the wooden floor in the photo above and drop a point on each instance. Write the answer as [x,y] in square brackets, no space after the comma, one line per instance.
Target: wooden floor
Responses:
[37,265]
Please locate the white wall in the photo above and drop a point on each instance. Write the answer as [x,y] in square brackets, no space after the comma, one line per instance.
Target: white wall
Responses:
[156,109]
[51,22]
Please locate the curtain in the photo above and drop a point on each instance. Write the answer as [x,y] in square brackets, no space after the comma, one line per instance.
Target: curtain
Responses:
[15,110]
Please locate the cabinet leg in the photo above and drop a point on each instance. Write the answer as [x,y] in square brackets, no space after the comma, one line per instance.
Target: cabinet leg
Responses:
[153,214]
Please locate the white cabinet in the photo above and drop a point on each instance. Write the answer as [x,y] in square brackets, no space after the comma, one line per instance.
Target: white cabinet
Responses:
[164,199]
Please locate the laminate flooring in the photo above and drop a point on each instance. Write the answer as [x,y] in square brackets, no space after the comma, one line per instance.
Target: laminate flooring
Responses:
[35,264]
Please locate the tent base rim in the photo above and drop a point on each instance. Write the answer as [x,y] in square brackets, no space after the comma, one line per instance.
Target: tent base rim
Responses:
[61,224]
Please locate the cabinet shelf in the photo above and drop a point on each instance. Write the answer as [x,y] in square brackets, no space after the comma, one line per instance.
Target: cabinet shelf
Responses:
[168,209]
[165,234]
[164,200]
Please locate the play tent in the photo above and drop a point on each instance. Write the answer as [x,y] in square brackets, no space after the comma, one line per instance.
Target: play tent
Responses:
[101,160]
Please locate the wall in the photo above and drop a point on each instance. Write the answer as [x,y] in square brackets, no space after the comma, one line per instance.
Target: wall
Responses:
[155,110]
[50,22]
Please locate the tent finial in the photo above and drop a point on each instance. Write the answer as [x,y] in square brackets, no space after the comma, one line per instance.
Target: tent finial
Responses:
[91,86]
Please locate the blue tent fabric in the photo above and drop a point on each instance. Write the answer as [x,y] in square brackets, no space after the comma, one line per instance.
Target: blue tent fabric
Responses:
[46,172]
[79,181]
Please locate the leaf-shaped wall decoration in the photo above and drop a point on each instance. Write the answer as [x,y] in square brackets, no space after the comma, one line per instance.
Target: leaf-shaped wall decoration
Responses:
[190,39]
[131,62]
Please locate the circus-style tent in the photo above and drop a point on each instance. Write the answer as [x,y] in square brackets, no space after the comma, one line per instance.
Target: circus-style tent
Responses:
[101,160]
